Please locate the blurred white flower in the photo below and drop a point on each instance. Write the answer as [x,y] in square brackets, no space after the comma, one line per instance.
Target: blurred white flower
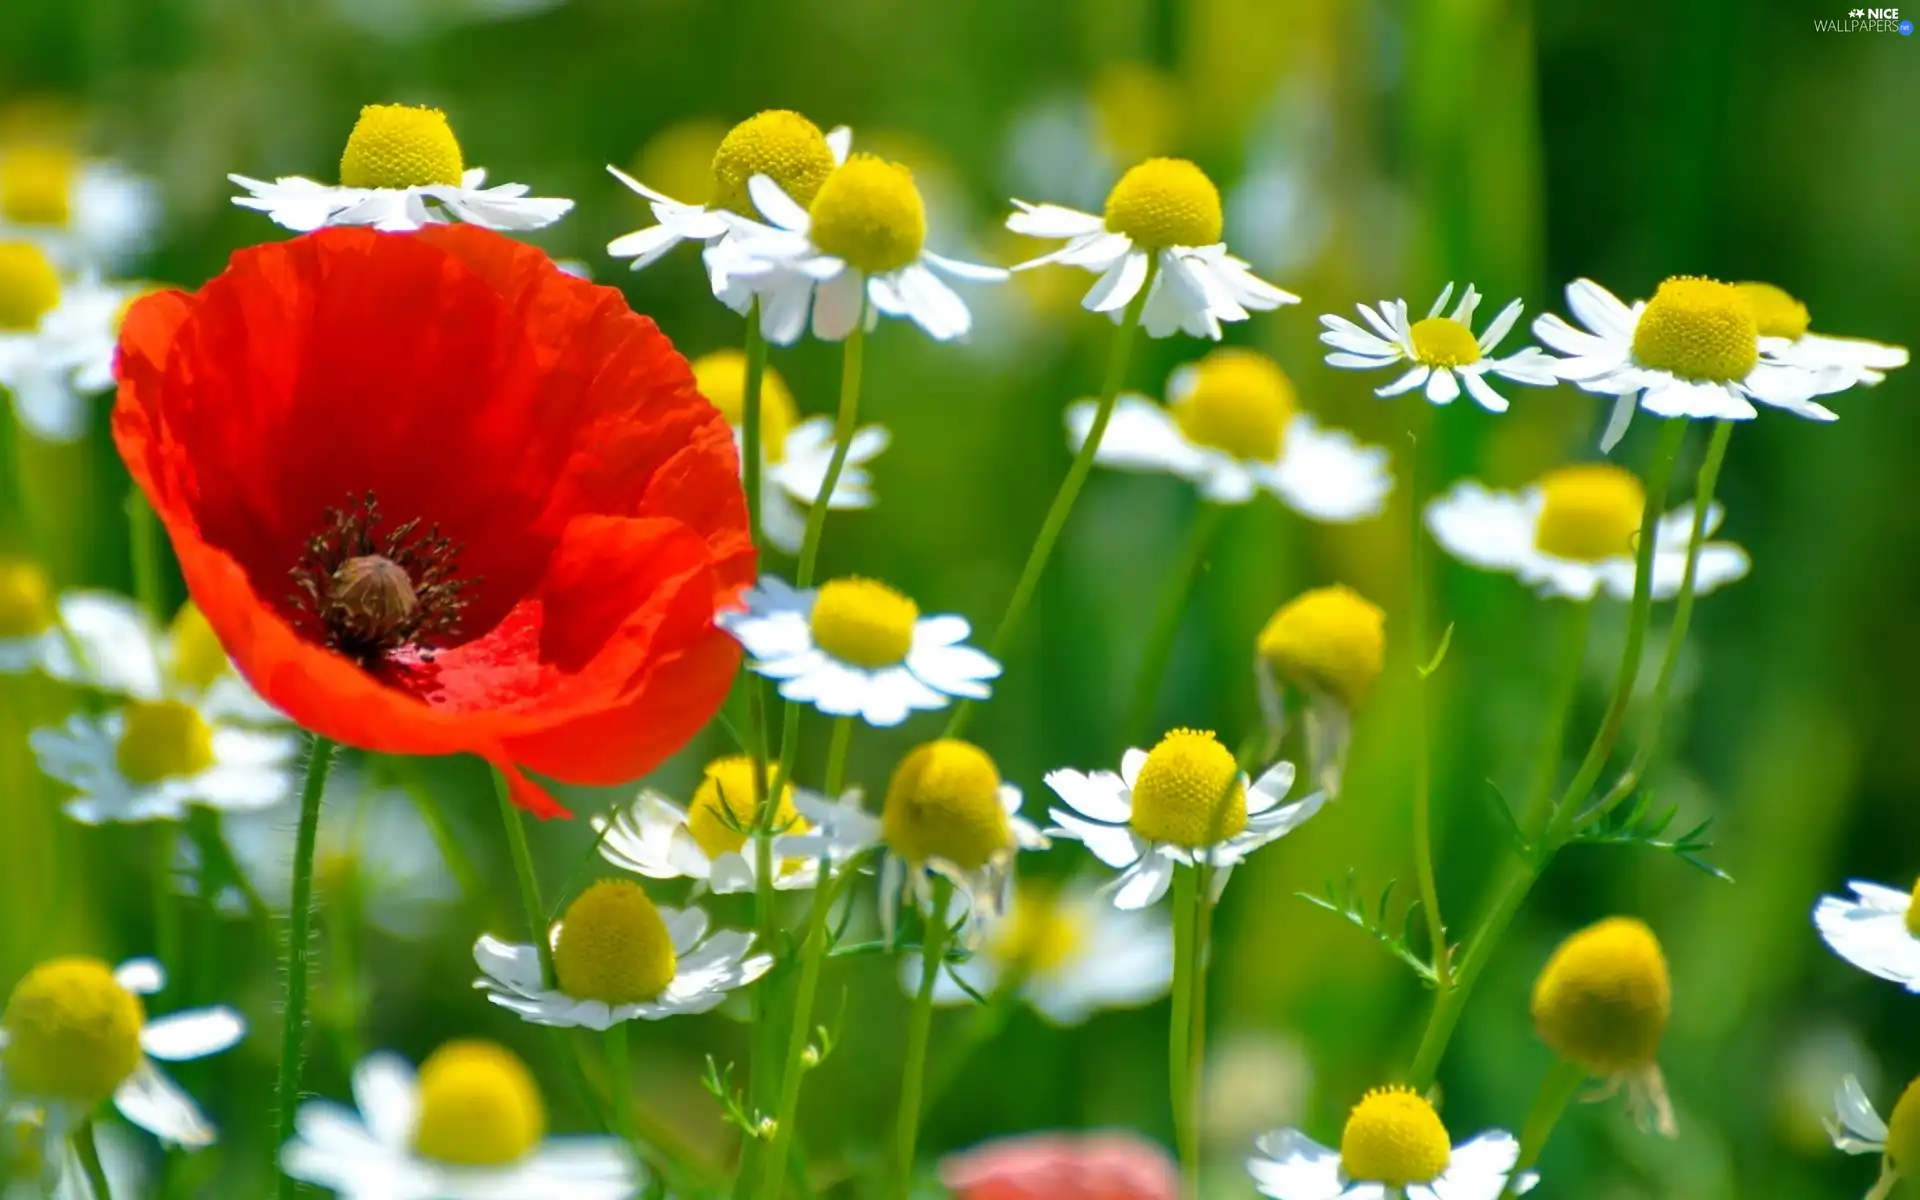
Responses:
[87,214]
[1874,930]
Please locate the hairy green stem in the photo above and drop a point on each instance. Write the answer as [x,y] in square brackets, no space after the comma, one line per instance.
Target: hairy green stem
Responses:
[293,1029]
[1165,629]
[933,952]
[1064,499]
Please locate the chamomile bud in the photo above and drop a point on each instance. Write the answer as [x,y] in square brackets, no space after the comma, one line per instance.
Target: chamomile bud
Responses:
[1602,1003]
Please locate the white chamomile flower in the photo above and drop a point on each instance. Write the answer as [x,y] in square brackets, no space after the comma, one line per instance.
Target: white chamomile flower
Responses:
[1230,428]
[470,1126]
[947,814]
[34,1167]
[190,733]
[856,648]
[1441,351]
[85,213]
[1394,1145]
[1330,644]
[1843,362]
[1875,931]
[402,169]
[76,1033]
[1574,533]
[1162,219]
[707,841]
[858,248]
[1065,951]
[794,454]
[1857,1129]
[780,144]
[57,338]
[1694,350]
[1185,802]
[617,957]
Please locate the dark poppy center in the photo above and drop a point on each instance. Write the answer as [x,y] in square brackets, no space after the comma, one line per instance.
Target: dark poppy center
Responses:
[368,594]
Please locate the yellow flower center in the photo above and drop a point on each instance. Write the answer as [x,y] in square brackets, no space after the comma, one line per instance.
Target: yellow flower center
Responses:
[944,803]
[870,214]
[73,1033]
[782,145]
[26,600]
[1330,640]
[1394,1137]
[36,185]
[198,659]
[29,287]
[1913,912]
[1903,1132]
[614,946]
[1603,999]
[862,622]
[1165,202]
[1189,792]
[401,146]
[163,739]
[1239,402]
[722,379]
[1444,342]
[1040,934]
[1591,512]
[1698,329]
[723,806]
[1775,312]
[479,1106]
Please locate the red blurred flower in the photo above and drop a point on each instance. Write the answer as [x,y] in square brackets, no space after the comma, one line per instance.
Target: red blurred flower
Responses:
[437,496]
[1047,1166]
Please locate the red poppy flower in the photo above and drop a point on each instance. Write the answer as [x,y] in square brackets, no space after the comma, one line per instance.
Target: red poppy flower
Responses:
[1048,1166]
[436,496]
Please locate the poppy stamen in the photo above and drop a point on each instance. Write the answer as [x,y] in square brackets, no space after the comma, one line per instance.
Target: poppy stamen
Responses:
[370,595]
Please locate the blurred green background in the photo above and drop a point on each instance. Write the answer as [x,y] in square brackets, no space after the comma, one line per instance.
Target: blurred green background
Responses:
[1368,150]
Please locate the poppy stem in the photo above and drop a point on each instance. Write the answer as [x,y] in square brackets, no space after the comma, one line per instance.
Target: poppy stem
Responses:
[933,952]
[1562,1081]
[1166,622]
[293,1029]
[89,1151]
[1063,500]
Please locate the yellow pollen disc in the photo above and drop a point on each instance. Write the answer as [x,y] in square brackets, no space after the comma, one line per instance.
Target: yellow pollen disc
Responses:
[1603,999]
[1394,1137]
[479,1106]
[1331,640]
[1165,202]
[1903,1131]
[869,213]
[944,803]
[1239,402]
[26,600]
[401,146]
[1775,312]
[1444,342]
[1039,934]
[1698,329]
[862,622]
[1913,912]
[29,287]
[722,379]
[1189,792]
[163,739]
[782,145]
[1590,512]
[196,658]
[36,185]
[614,946]
[73,1033]
[723,806]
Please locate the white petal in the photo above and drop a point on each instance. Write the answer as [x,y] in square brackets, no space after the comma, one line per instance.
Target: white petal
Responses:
[1328,474]
[141,976]
[385,1090]
[1053,221]
[840,141]
[1100,795]
[1442,387]
[156,1104]
[1144,883]
[1406,383]
[776,206]
[1121,283]
[1140,436]
[1490,530]
[1292,1166]
[179,1037]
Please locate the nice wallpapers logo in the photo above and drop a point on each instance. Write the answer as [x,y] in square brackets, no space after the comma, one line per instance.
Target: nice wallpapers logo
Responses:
[1868,20]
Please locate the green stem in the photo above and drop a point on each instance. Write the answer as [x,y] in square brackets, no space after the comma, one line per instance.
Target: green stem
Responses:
[620,1079]
[89,1152]
[166,909]
[1180,1026]
[143,528]
[1553,735]
[293,1029]
[933,952]
[1708,480]
[989,1021]
[752,453]
[524,873]
[1197,1049]
[1522,872]
[1165,629]
[1422,424]
[1562,1081]
[1063,500]
[853,357]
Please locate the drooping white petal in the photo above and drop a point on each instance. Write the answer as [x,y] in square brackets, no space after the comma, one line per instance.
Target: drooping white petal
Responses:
[182,1036]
